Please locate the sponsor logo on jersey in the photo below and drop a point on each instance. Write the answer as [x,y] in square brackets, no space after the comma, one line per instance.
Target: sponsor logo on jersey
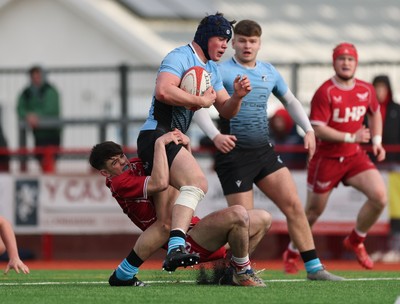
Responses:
[362,97]
[337,99]
[350,114]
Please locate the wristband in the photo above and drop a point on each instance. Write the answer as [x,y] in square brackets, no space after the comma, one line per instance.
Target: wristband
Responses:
[377,140]
[349,138]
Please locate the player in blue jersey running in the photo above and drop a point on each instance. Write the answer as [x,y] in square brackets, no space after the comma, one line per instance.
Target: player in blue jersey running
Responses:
[170,109]
[253,159]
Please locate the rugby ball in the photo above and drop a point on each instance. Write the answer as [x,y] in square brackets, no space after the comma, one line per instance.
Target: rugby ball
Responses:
[195,81]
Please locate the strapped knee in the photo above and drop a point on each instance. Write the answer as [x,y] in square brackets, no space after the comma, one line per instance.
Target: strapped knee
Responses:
[189,196]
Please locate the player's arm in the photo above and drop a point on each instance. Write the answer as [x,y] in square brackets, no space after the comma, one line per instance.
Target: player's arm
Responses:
[167,90]
[375,124]
[327,133]
[159,179]
[222,142]
[296,111]
[229,106]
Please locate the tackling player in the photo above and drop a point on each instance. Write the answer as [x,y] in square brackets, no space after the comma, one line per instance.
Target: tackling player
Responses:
[207,238]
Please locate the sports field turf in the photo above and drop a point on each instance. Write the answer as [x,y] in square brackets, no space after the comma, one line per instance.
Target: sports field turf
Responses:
[90,286]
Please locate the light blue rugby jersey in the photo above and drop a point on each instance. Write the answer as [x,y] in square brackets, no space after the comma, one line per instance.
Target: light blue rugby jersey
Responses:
[177,62]
[250,125]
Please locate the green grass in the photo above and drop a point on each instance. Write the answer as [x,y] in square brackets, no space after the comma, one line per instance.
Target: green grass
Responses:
[90,286]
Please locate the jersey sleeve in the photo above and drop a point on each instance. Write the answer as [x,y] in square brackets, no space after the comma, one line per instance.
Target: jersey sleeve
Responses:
[280,87]
[216,78]
[320,108]
[128,185]
[172,63]
[374,103]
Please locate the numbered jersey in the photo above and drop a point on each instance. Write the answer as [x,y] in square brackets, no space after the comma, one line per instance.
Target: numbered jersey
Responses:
[343,109]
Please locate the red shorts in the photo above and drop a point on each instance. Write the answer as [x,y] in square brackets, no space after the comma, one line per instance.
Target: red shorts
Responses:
[325,173]
[205,255]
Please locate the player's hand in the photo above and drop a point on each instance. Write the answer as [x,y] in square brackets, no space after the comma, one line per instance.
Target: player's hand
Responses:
[208,98]
[379,152]
[225,143]
[363,135]
[309,144]
[17,265]
[180,138]
[242,85]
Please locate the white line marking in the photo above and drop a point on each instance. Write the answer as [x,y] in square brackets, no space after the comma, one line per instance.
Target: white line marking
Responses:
[174,282]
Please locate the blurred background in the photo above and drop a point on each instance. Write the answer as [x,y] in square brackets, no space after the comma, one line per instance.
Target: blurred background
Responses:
[103,56]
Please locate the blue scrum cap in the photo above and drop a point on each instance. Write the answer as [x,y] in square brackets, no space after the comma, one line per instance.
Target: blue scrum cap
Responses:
[211,26]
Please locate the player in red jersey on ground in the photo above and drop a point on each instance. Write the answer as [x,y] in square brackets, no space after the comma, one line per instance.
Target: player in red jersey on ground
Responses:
[232,227]
[337,114]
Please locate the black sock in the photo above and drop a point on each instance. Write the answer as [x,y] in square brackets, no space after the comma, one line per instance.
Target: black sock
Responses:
[308,255]
[134,259]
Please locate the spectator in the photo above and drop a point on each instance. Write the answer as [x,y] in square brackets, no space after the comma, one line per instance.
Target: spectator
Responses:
[8,243]
[390,111]
[40,100]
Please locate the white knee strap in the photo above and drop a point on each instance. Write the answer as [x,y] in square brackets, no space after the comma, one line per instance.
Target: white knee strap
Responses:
[189,196]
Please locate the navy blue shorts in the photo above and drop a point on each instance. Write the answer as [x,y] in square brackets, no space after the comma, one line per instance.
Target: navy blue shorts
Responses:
[145,144]
[239,169]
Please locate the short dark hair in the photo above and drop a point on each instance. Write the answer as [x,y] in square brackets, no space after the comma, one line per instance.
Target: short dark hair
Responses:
[34,69]
[102,152]
[247,28]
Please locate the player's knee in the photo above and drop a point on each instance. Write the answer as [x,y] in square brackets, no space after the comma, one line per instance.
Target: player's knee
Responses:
[292,208]
[239,215]
[190,196]
[379,199]
[266,219]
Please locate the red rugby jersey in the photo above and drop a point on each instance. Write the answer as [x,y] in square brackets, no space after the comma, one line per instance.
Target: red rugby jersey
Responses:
[342,108]
[130,191]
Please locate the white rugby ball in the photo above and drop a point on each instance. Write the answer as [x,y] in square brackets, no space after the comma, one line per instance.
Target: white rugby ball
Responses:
[195,81]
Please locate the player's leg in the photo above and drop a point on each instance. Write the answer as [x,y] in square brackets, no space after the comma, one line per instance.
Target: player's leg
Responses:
[260,223]
[244,199]
[152,239]
[230,225]
[280,187]
[369,213]
[187,176]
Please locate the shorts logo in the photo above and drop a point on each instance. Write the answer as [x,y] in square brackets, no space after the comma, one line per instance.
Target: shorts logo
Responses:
[238,183]
[323,185]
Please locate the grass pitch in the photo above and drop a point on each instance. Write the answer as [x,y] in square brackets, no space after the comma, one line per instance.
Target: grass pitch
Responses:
[91,286]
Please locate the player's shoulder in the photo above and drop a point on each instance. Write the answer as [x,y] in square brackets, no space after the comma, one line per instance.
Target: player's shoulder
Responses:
[363,83]
[226,64]
[327,85]
[137,166]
